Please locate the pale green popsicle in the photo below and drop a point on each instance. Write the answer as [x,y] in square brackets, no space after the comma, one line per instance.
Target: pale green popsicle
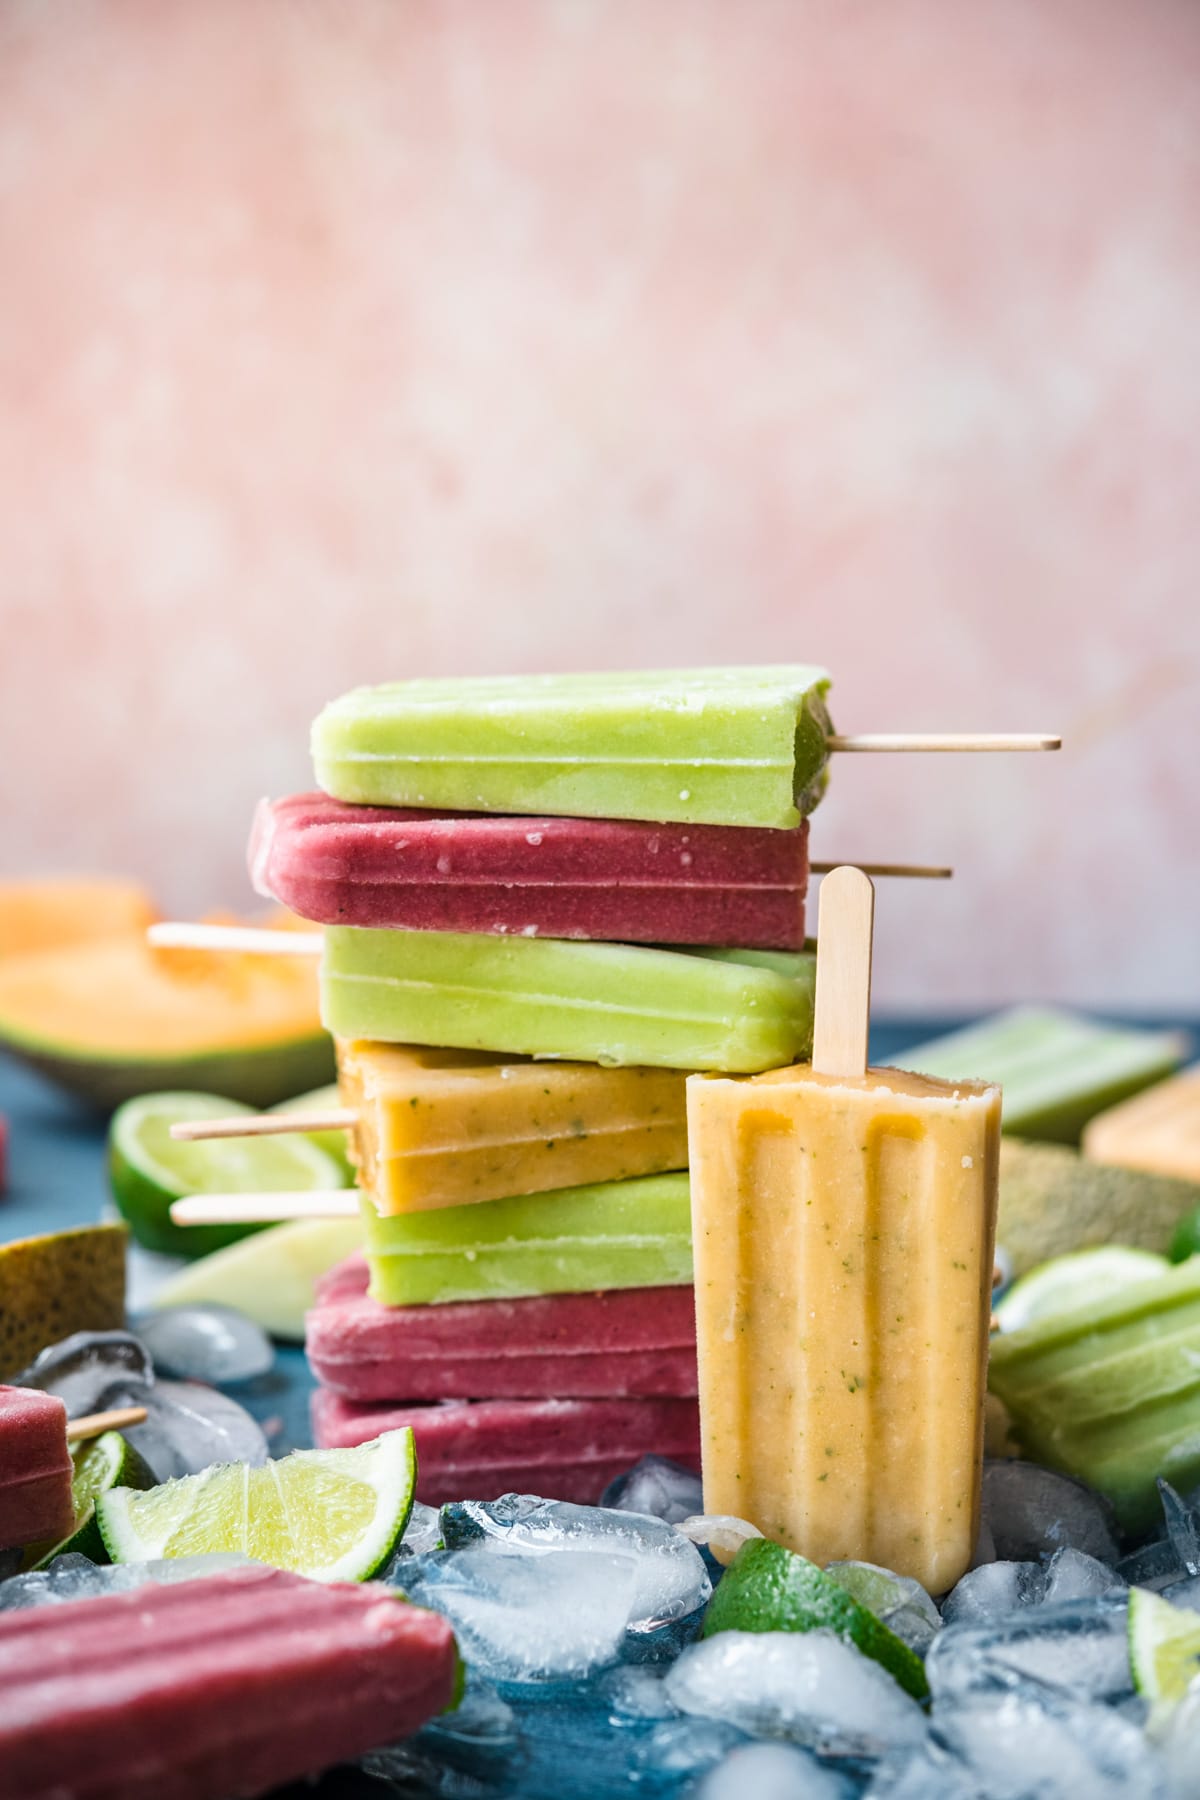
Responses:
[1057,1069]
[701,746]
[726,1010]
[621,1234]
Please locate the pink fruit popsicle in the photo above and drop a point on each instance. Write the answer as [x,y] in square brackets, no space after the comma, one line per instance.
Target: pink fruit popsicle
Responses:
[631,1342]
[621,880]
[35,1468]
[560,1449]
[228,1684]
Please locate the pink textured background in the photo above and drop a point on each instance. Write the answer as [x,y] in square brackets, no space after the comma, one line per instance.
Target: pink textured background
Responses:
[349,341]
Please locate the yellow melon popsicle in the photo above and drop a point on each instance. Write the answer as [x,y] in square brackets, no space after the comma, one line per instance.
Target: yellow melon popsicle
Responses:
[843,1227]
[447,1127]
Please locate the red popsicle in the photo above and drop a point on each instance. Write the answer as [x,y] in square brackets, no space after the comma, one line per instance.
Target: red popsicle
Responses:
[639,1341]
[35,1468]
[560,1449]
[228,1684]
[619,880]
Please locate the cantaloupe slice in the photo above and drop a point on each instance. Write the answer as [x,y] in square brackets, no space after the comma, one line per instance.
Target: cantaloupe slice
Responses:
[54,1285]
[115,1018]
[69,909]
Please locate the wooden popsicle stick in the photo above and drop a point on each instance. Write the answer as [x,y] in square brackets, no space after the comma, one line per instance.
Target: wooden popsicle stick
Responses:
[266,1209]
[944,740]
[842,1007]
[238,939]
[93,1424]
[908,871]
[199,1131]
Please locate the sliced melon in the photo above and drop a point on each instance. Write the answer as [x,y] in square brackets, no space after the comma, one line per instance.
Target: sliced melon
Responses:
[53,1285]
[270,1277]
[1052,1200]
[69,909]
[114,1018]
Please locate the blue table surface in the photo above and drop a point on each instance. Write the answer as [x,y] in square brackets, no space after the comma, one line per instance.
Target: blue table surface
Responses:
[56,1177]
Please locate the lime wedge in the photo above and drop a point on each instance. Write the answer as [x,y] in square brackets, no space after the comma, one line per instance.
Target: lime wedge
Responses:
[271,1278]
[333,1143]
[768,1588]
[101,1464]
[333,1515]
[1164,1647]
[1078,1279]
[148,1169]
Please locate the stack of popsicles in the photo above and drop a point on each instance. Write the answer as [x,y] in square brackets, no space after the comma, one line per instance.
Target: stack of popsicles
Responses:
[613,897]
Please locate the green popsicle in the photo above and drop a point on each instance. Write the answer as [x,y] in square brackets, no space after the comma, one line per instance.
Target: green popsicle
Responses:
[621,1234]
[1057,1069]
[701,746]
[734,1011]
[1111,1391]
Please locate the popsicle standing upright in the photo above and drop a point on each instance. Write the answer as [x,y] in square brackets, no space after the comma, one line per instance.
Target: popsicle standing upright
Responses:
[843,1222]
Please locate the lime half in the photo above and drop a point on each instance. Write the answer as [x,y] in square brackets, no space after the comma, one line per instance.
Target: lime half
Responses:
[769,1588]
[101,1464]
[148,1169]
[1164,1647]
[333,1143]
[1079,1279]
[333,1515]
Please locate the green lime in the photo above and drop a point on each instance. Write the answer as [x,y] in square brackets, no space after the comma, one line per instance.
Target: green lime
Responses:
[148,1169]
[333,1143]
[768,1588]
[333,1515]
[101,1464]
[1185,1239]
[1164,1647]
[1078,1279]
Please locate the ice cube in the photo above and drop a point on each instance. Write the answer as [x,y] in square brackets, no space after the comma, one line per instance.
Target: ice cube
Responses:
[679,1747]
[670,1580]
[658,1487]
[635,1695]
[1073,1575]
[926,1774]
[1178,1734]
[1183,1531]
[1155,1566]
[1032,1742]
[900,1602]
[423,1531]
[206,1343]
[92,1371]
[809,1686]
[412,1774]
[1031,1510]
[479,1737]
[75,1577]
[528,1618]
[191,1427]
[1184,1593]
[771,1772]
[994,1590]
[719,1532]
[1079,1646]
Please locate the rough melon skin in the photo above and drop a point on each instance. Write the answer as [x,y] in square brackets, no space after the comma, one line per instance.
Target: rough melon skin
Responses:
[54,1285]
[114,1018]
[1053,1201]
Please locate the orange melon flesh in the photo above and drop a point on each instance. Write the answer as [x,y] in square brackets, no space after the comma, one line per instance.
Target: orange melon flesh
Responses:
[114,1018]
[69,909]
